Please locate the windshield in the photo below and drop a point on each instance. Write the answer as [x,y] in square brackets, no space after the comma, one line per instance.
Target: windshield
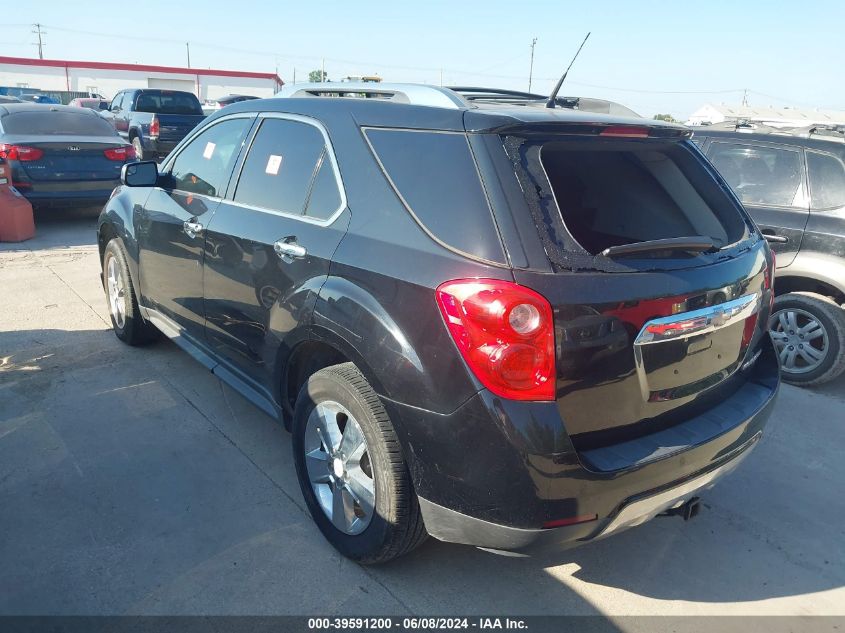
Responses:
[50,122]
[167,102]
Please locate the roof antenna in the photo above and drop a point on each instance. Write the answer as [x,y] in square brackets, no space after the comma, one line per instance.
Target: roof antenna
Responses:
[553,97]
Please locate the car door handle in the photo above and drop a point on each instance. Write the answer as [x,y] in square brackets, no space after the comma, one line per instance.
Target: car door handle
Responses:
[288,247]
[192,228]
[773,238]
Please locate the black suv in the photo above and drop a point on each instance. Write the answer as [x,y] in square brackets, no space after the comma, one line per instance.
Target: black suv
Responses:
[792,182]
[482,319]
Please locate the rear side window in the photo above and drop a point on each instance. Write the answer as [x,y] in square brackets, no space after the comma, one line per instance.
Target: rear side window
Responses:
[761,175]
[288,169]
[167,102]
[827,181]
[617,193]
[51,122]
[435,176]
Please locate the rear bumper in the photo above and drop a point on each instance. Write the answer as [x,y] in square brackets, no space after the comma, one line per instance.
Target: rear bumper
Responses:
[494,472]
[454,527]
[159,147]
[71,194]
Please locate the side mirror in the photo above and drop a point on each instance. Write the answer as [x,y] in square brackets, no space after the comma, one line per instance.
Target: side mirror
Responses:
[142,174]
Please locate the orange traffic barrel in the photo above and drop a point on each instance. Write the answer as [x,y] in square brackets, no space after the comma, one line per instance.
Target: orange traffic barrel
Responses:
[16,221]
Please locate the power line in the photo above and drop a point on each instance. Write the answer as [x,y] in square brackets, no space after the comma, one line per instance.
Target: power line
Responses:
[437,69]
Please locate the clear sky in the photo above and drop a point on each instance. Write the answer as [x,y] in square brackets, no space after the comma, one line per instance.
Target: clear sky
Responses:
[651,56]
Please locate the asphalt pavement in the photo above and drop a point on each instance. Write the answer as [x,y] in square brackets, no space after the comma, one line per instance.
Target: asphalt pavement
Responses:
[132,481]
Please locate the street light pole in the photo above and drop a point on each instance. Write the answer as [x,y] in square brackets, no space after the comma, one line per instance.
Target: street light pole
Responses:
[188,49]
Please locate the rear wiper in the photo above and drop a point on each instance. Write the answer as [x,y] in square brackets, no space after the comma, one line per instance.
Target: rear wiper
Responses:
[692,244]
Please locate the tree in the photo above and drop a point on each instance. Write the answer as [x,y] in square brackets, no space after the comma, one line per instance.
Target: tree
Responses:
[318,76]
[665,117]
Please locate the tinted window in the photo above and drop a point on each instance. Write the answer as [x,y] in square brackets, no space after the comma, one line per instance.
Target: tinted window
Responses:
[324,198]
[204,166]
[436,176]
[760,175]
[167,102]
[281,166]
[50,122]
[827,181]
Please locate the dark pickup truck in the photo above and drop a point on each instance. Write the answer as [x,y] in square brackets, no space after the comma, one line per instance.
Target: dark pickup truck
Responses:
[154,121]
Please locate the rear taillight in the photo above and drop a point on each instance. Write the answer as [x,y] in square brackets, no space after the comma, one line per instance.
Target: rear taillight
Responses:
[505,332]
[154,127]
[20,153]
[122,154]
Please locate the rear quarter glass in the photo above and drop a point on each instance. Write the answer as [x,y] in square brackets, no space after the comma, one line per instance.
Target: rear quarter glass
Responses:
[436,178]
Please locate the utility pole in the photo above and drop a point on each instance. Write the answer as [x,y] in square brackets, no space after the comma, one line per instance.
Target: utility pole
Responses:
[441,77]
[39,33]
[323,71]
[745,97]
[188,49]
[531,70]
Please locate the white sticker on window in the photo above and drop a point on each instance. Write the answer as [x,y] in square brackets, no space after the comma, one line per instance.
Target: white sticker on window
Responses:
[273,165]
[209,150]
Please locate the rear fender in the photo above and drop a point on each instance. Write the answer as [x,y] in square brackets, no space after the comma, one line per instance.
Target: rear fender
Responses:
[815,267]
[353,321]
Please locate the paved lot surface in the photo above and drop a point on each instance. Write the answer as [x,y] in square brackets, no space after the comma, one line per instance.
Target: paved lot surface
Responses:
[132,481]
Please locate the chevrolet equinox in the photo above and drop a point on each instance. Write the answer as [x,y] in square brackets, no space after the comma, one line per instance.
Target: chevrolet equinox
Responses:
[483,319]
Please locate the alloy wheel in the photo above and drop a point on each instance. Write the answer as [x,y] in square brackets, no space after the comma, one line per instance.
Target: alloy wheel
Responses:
[116,291]
[800,339]
[339,467]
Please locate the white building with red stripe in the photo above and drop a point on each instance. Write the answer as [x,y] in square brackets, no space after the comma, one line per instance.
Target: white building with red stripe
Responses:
[107,78]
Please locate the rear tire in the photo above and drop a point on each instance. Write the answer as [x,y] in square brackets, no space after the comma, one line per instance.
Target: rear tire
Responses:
[338,401]
[808,331]
[127,323]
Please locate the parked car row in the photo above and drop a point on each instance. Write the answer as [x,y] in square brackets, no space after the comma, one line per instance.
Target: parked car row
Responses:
[71,155]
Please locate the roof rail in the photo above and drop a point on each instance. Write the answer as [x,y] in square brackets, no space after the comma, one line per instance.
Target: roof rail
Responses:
[459,97]
[412,94]
[498,95]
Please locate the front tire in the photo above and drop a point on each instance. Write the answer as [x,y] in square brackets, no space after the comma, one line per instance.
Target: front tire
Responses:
[351,470]
[126,320]
[808,331]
